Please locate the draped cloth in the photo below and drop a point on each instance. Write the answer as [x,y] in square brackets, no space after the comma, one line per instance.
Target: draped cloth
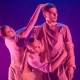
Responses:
[56,39]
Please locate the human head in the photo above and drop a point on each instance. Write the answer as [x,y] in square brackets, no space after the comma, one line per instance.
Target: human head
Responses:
[35,45]
[7,32]
[50,13]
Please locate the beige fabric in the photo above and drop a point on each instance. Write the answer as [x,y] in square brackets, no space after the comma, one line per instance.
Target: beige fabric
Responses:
[55,40]
[29,73]
[14,73]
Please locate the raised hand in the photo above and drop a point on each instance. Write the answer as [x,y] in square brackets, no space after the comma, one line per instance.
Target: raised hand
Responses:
[70,71]
[42,5]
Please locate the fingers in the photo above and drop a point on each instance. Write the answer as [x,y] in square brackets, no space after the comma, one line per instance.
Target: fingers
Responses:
[70,73]
[70,77]
[43,5]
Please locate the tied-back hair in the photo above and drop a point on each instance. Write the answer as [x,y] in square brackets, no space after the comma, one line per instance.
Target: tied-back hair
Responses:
[29,44]
[50,5]
[2,31]
[30,41]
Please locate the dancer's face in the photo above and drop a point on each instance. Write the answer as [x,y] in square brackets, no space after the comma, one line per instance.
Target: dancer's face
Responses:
[9,32]
[37,46]
[51,15]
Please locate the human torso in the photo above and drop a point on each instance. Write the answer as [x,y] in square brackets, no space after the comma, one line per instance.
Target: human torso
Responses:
[15,50]
[34,60]
[54,50]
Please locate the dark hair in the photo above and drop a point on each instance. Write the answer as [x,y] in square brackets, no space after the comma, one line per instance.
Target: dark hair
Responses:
[50,5]
[2,31]
[29,41]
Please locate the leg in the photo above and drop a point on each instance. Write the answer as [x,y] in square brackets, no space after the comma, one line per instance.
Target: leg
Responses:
[11,73]
[14,73]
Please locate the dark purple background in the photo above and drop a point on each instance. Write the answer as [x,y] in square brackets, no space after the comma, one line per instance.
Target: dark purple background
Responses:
[16,14]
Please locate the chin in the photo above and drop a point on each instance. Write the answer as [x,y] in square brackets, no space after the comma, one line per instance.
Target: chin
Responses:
[13,36]
[54,20]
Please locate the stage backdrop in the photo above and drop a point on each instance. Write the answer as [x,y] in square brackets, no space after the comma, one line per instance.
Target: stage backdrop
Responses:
[16,13]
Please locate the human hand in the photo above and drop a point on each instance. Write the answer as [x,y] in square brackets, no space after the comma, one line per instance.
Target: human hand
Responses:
[70,71]
[42,5]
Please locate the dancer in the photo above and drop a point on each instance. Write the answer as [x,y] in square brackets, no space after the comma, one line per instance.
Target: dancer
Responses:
[33,59]
[33,53]
[56,37]
[14,42]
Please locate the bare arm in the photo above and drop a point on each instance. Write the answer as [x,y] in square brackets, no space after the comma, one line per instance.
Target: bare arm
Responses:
[59,60]
[32,22]
[25,58]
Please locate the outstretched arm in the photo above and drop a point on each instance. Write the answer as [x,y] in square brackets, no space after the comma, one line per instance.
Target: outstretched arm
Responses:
[25,58]
[32,22]
[59,60]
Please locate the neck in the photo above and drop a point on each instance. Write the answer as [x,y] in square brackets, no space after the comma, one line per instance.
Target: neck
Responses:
[52,24]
